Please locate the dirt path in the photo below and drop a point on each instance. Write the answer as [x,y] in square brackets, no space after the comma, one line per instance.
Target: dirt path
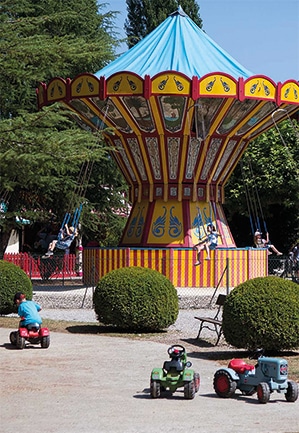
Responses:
[100,384]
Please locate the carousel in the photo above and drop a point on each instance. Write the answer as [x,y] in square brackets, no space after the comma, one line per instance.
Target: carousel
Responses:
[178,113]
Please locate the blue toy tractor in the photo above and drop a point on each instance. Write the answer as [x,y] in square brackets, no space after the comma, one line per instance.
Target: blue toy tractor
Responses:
[268,375]
[175,374]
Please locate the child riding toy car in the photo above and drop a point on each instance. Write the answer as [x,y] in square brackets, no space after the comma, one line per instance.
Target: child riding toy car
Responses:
[30,326]
[175,374]
[32,333]
[268,375]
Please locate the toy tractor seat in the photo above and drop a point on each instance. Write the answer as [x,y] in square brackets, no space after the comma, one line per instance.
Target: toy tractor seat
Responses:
[173,364]
[33,327]
[240,366]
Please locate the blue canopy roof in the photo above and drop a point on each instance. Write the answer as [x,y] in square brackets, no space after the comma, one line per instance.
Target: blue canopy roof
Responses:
[177,44]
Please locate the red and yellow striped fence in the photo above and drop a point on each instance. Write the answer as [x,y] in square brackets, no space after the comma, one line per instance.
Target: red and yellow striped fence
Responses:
[231,266]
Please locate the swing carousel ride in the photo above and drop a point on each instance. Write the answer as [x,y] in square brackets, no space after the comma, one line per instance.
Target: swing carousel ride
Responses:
[178,113]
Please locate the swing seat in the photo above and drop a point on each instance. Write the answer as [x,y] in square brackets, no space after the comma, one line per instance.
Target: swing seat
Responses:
[74,224]
[64,244]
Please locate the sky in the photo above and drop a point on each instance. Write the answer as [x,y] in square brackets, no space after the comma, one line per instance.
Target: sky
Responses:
[262,35]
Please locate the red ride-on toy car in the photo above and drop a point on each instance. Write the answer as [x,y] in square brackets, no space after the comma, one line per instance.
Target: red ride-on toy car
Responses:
[268,375]
[33,333]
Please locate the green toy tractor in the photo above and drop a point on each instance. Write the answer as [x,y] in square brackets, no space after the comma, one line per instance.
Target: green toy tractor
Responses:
[175,374]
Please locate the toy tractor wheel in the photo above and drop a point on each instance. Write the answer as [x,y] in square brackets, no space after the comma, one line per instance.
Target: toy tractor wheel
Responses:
[224,385]
[263,392]
[189,390]
[196,381]
[45,342]
[20,341]
[13,338]
[155,389]
[292,392]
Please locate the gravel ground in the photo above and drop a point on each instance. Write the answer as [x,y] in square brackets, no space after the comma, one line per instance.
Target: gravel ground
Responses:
[76,305]
[96,383]
[99,383]
[185,327]
[185,321]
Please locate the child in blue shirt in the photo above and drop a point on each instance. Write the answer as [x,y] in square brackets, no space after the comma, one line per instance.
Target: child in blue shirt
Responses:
[27,310]
[209,244]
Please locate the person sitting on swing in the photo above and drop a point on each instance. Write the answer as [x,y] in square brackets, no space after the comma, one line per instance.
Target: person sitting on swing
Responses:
[209,244]
[65,238]
[259,242]
[294,260]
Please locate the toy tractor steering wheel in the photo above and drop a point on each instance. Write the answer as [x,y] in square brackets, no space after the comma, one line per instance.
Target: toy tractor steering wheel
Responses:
[176,347]
[256,354]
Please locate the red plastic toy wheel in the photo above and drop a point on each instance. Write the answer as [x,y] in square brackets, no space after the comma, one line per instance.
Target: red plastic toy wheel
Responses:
[224,385]
[263,392]
[196,381]
[189,390]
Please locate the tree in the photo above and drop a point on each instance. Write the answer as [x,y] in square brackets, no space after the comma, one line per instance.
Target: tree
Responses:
[39,164]
[271,169]
[145,15]
[42,152]
[40,41]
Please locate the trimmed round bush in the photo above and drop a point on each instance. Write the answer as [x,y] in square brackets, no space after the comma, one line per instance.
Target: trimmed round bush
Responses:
[262,313]
[12,279]
[136,299]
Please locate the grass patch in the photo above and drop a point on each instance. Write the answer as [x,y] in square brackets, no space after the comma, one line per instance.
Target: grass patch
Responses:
[74,327]
[207,351]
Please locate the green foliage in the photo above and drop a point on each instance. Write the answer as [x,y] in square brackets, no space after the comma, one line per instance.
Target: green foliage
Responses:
[263,313]
[270,173]
[12,280]
[40,157]
[42,153]
[145,15]
[135,298]
[45,39]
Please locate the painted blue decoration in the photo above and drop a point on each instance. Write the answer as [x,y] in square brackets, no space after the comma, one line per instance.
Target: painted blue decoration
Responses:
[158,229]
[175,226]
[136,226]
